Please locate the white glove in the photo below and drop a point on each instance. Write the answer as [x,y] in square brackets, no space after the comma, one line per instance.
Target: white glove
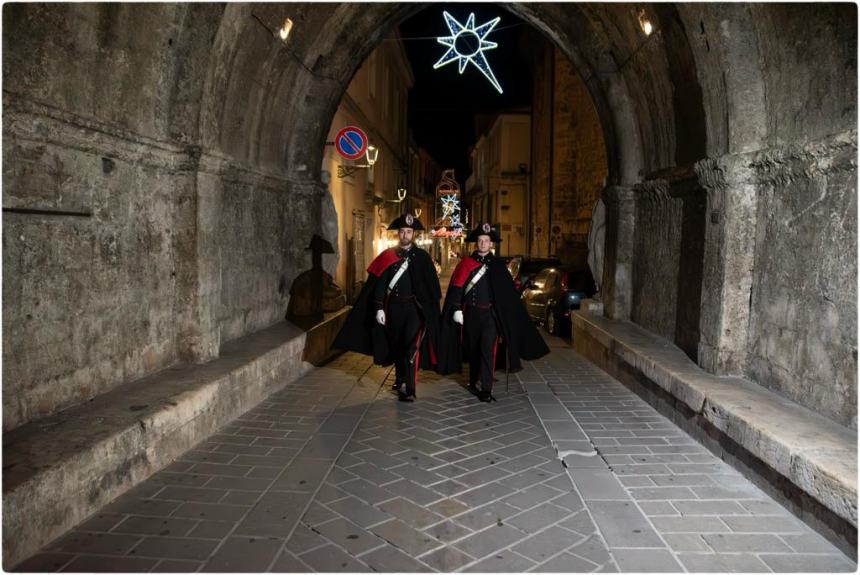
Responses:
[458,317]
[380,317]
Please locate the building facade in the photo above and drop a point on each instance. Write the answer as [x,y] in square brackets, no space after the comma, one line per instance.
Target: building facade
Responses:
[568,160]
[498,188]
[367,199]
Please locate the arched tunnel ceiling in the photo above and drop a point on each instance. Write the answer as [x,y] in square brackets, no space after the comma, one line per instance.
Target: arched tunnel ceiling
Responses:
[162,144]
[214,75]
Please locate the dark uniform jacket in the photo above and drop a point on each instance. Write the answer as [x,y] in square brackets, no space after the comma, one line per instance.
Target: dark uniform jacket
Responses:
[519,337]
[361,332]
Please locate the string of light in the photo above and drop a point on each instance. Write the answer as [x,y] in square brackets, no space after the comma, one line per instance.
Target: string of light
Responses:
[434,38]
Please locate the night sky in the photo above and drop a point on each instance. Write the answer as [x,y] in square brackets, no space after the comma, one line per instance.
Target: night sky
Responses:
[443,104]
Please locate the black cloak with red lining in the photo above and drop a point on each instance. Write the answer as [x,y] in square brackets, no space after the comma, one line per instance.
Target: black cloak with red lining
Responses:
[519,337]
[361,332]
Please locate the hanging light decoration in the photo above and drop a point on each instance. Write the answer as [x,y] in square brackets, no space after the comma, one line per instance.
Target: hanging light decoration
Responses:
[466,44]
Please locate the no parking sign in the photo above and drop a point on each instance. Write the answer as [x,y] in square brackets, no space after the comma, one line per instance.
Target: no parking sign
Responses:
[350,142]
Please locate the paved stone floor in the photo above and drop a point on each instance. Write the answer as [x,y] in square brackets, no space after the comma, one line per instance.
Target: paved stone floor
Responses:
[568,472]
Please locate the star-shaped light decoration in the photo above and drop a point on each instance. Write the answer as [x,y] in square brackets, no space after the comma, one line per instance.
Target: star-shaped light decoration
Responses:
[449,205]
[466,44]
[451,209]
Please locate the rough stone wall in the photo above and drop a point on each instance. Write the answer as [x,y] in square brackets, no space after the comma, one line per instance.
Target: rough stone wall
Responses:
[110,63]
[90,260]
[579,155]
[569,165]
[540,150]
[91,196]
[618,260]
[693,201]
[259,247]
[642,63]
[656,258]
[778,232]
[803,321]
[809,60]
[130,242]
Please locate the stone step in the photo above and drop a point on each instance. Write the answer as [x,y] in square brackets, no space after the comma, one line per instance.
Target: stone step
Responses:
[59,470]
[806,450]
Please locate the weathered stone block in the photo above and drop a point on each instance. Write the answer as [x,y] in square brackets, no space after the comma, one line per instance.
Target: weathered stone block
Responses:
[810,451]
[61,470]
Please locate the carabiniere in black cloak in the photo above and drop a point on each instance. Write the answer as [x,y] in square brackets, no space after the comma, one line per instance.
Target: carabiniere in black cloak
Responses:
[396,295]
[518,339]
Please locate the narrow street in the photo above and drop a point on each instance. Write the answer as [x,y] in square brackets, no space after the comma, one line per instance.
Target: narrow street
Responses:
[567,472]
[195,193]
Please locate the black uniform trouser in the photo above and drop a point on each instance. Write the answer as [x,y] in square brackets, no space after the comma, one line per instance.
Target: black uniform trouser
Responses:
[405,328]
[481,338]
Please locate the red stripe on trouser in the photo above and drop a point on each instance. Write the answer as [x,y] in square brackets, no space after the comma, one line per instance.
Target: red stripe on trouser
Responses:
[495,344]
[417,357]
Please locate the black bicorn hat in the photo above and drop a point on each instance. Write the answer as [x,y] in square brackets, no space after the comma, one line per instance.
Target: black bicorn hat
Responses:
[484,229]
[406,221]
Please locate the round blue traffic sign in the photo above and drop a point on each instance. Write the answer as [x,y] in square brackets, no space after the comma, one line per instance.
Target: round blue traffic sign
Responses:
[351,142]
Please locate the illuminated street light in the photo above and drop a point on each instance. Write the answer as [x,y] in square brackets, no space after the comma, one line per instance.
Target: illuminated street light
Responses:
[645,23]
[371,154]
[284,31]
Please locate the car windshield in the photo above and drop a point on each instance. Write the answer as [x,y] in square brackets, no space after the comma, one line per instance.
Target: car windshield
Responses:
[532,267]
[540,279]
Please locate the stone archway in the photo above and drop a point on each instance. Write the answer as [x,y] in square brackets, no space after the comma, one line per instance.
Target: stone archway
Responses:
[230,124]
[181,136]
[725,135]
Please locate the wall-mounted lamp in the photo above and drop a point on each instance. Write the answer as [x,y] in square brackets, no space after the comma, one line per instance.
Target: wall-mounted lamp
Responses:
[645,23]
[418,212]
[401,195]
[648,29]
[284,30]
[371,154]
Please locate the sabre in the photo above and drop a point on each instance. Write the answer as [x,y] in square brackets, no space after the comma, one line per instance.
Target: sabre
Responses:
[507,368]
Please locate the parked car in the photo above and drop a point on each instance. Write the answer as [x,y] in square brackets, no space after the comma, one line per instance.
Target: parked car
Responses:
[553,293]
[523,268]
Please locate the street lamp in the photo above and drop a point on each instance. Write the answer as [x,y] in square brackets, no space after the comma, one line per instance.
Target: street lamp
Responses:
[371,154]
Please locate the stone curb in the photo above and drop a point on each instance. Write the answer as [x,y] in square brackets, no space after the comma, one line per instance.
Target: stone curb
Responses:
[814,453]
[61,469]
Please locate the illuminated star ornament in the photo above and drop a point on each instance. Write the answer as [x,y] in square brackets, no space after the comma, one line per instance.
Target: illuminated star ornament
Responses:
[466,44]
[451,209]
